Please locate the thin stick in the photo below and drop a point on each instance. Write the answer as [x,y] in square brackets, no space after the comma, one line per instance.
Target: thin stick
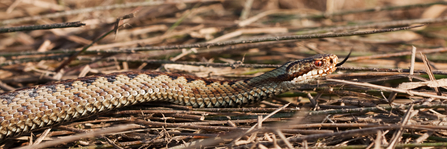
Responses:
[410,92]
[99,8]
[72,57]
[252,40]
[41,27]
[277,38]
[431,76]
[85,135]
[398,134]
[413,58]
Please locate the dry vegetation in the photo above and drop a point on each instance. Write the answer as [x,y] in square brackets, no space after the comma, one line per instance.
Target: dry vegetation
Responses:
[373,101]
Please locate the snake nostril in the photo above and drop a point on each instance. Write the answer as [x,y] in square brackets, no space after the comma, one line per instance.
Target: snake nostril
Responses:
[332,61]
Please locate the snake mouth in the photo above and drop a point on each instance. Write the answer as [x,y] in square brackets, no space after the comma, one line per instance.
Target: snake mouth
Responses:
[313,74]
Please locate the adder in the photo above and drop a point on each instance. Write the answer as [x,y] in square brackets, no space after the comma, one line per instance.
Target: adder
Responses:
[42,106]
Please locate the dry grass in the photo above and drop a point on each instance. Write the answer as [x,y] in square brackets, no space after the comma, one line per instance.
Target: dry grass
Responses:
[373,101]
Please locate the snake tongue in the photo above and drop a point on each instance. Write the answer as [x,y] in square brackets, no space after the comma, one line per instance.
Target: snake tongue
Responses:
[346,58]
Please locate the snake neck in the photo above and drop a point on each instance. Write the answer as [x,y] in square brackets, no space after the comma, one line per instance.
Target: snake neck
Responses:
[261,87]
[276,79]
[269,84]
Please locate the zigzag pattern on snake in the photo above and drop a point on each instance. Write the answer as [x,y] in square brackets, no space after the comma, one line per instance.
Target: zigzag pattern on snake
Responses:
[47,105]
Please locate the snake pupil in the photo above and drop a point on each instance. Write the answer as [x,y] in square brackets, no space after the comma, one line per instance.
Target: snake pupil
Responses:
[318,63]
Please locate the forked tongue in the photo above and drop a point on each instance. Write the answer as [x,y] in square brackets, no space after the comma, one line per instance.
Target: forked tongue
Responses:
[346,58]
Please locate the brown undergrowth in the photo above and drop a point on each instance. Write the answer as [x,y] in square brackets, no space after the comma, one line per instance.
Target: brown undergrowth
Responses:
[390,93]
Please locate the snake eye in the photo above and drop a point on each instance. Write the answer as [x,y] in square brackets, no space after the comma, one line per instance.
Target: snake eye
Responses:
[318,63]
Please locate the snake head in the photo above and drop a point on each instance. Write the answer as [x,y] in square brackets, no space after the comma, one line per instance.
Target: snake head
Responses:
[311,68]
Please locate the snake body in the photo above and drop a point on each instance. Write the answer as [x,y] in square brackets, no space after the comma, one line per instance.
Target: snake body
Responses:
[47,105]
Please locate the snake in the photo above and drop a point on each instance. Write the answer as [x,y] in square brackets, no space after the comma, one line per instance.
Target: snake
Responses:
[30,109]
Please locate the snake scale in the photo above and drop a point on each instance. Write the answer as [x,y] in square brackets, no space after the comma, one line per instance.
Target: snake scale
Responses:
[34,108]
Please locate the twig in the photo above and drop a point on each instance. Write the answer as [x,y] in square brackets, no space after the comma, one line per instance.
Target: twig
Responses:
[246,10]
[72,57]
[374,25]
[43,136]
[99,8]
[238,135]
[80,136]
[180,20]
[207,45]
[388,70]
[234,65]
[373,109]
[413,59]
[41,27]
[131,50]
[410,92]
[283,138]
[277,38]
[398,134]
[6,87]
[375,9]
[246,109]
[428,69]
[347,133]
[396,54]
